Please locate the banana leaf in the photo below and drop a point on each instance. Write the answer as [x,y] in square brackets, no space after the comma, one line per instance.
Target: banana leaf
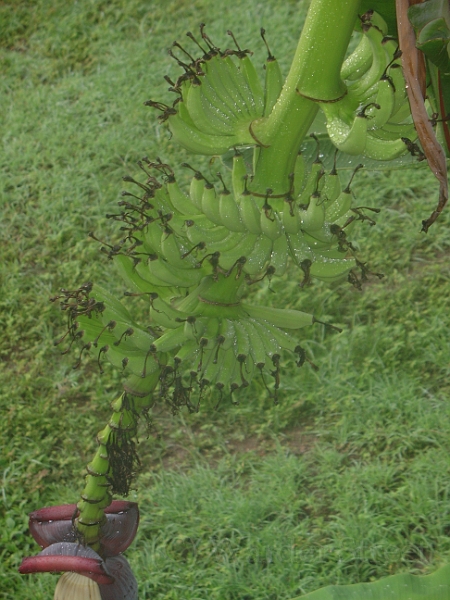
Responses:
[396,587]
[431,20]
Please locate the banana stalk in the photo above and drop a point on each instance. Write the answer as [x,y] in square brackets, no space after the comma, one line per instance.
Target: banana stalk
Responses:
[191,256]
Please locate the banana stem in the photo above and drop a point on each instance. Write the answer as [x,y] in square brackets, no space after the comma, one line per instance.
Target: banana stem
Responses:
[321,50]
[314,77]
[276,161]
[102,472]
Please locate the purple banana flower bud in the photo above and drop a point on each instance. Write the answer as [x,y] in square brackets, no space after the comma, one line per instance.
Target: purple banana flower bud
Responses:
[103,576]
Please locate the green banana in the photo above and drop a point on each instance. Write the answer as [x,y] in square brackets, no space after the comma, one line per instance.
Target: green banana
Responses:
[359,61]
[257,349]
[271,346]
[299,248]
[229,212]
[225,370]
[197,234]
[227,245]
[235,86]
[120,311]
[260,256]
[401,110]
[240,88]
[127,271]
[151,238]
[238,175]
[187,353]
[251,76]
[279,257]
[313,218]
[250,214]
[273,80]
[196,189]
[280,317]
[312,182]
[394,131]
[242,342]
[282,338]
[243,249]
[209,370]
[210,334]
[164,314]
[199,142]
[174,276]
[136,362]
[383,105]
[299,175]
[214,99]
[128,338]
[270,223]
[291,218]
[184,113]
[180,201]
[340,206]
[206,117]
[360,89]
[349,138]
[139,386]
[174,338]
[177,247]
[384,149]
[331,188]
[325,255]
[210,204]
[171,252]
[332,269]
[216,73]
[247,370]
[228,333]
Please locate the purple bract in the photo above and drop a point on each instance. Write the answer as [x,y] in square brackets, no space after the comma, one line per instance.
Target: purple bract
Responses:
[54,531]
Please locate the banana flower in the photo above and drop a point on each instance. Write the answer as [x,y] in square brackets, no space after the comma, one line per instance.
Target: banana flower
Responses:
[102,575]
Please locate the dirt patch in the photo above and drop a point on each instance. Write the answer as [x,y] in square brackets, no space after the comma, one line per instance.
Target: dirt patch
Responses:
[191,444]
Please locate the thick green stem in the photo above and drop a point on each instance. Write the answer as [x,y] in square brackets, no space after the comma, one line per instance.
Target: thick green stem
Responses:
[322,47]
[314,77]
[277,161]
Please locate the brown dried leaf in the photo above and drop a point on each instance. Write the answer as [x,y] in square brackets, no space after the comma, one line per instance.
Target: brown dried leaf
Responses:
[412,63]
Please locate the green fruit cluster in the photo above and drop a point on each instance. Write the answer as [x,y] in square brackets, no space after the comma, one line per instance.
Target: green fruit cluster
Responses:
[220,98]
[219,95]
[373,118]
[193,256]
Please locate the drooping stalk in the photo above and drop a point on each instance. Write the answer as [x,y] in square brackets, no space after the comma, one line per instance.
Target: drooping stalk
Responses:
[111,468]
[314,77]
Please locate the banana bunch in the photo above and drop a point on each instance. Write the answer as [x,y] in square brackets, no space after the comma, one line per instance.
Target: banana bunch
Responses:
[192,256]
[373,118]
[209,344]
[218,97]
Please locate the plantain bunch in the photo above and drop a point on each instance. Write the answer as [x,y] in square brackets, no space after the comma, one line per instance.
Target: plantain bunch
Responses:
[373,117]
[218,96]
[193,254]
[193,257]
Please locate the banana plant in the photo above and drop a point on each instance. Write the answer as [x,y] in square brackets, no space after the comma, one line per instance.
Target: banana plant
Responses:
[194,253]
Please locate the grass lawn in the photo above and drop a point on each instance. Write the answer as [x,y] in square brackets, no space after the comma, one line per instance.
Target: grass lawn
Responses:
[347,479]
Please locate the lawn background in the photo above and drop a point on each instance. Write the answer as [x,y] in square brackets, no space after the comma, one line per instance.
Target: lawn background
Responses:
[347,479]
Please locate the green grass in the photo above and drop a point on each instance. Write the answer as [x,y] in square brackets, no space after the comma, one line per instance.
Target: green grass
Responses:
[347,479]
